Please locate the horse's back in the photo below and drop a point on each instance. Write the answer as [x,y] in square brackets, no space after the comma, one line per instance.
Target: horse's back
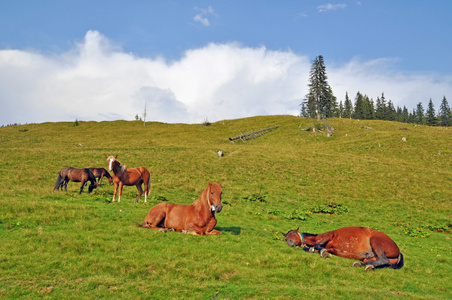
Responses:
[365,238]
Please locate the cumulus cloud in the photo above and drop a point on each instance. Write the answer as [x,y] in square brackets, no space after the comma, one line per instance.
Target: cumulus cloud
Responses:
[98,81]
[330,7]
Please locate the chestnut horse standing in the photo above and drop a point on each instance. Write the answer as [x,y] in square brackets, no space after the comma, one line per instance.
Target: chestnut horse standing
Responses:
[77,175]
[374,248]
[100,173]
[129,176]
[196,218]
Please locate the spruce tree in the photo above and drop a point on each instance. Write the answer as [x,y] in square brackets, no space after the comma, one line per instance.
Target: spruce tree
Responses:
[390,111]
[431,115]
[321,102]
[445,113]
[348,107]
[406,115]
[419,114]
[359,111]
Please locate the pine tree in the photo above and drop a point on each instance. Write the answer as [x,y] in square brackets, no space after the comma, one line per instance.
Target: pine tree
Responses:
[340,110]
[304,110]
[359,110]
[431,119]
[381,109]
[348,107]
[419,114]
[320,99]
[390,111]
[445,113]
[406,115]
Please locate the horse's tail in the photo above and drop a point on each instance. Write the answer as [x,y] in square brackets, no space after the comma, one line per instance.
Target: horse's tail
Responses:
[58,182]
[399,263]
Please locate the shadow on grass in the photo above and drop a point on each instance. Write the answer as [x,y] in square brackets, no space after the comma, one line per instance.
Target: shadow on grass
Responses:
[233,230]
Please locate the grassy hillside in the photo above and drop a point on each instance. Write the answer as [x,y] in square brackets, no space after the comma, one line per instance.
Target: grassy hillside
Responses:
[64,245]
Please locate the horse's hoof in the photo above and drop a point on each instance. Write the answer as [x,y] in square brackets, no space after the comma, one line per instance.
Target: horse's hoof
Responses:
[369,268]
[357,264]
[323,253]
[163,230]
[311,250]
[171,229]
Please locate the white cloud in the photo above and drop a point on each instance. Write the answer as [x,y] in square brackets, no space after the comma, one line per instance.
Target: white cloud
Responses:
[202,20]
[202,15]
[98,81]
[330,7]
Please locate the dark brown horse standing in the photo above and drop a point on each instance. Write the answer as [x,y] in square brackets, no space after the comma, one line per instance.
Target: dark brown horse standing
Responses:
[100,173]
[129,176]
[77,175]
[374,248]
[196,218]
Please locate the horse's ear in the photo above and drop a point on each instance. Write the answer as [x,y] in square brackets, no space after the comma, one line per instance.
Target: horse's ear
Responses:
[297,229]
[116,157]
[284,234]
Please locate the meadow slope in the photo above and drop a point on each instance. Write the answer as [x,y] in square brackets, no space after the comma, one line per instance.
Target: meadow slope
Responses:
[64,245]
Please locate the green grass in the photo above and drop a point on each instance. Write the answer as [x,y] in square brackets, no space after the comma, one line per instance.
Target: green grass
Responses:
[67,246]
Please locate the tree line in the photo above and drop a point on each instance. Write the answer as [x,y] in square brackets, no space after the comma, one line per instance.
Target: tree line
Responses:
[320,102]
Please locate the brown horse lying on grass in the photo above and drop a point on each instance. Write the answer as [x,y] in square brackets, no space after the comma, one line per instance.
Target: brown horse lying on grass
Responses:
[100,173]
[374,248]
[77,175]
[196,218]
[129,176]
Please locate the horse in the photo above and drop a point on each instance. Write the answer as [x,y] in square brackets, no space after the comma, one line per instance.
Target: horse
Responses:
[197,218]
[373,248]
[100,173]
[129,176]
[62,175]
[77,175]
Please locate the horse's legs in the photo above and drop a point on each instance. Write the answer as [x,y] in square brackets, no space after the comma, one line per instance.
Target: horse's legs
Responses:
[146,189]
[210,226]
[321,244]
[115,191]
[155,218]
[140,191]
[64,183]
[379,260]
[120,191]
[82,184]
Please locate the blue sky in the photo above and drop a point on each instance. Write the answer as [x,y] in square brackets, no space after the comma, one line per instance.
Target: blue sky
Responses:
[192,60]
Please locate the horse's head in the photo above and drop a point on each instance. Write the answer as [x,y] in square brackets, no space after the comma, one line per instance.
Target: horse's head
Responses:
[214,197]
[294,238]
[111,160]
[92,186]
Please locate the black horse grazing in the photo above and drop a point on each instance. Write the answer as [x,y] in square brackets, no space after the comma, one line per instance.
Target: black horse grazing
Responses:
[100,173]
[77,175]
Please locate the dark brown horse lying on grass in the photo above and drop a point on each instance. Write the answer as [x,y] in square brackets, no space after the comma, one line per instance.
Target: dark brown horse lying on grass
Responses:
[77,175]
[129,176]
[374,248]
[196,218]
[100,173]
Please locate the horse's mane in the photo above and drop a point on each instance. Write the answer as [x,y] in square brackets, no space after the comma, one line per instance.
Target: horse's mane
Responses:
[309,234]
[123,168]
[200,201]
